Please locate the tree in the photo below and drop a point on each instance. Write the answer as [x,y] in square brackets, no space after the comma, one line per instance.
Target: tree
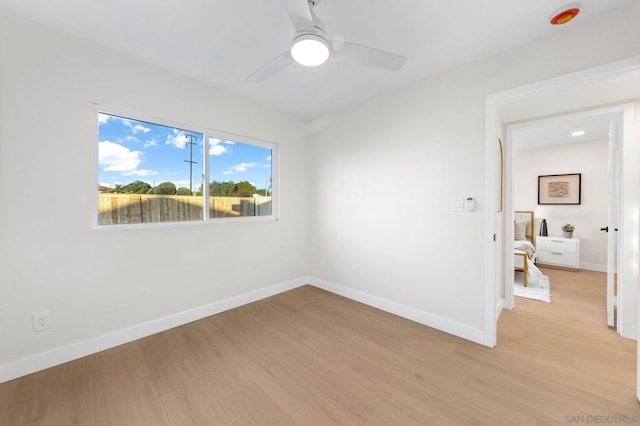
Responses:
[183,191]
[136,187]
[244,189]
[165,188]
[231,189]
[221,189]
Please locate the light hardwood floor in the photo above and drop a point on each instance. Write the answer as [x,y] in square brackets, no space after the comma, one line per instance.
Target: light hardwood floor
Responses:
[309,357]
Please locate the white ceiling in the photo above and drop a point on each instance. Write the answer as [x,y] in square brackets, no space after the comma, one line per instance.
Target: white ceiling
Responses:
[587,95]
[594,128]
[542,117]
[221,42]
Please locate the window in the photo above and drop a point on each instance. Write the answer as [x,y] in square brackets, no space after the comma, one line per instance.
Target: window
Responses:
[152,172]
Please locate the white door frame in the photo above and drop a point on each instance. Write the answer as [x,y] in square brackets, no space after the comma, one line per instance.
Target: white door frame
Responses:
[617,112]
[613,218]
[491,134]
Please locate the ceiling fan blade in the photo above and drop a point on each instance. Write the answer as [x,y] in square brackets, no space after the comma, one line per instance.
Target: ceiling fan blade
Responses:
[299,13]
[368,56]
[272,67]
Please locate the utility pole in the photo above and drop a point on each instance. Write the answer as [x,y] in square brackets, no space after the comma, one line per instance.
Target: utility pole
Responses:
[191,162]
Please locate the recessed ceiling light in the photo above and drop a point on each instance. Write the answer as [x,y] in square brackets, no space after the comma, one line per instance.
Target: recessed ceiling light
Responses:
[577,133]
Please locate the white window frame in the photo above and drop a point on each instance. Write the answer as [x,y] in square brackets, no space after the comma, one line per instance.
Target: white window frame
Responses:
[207,133]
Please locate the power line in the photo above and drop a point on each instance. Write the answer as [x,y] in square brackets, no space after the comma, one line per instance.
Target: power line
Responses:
[191,162]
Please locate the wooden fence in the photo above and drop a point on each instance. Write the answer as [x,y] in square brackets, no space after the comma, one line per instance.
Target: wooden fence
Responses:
[145,208]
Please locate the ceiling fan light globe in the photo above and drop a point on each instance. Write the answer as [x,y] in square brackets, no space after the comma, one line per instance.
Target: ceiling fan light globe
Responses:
[310,50]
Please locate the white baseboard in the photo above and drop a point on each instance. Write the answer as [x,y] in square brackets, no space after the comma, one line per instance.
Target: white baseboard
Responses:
[464,331]
[53,357]
[593,267]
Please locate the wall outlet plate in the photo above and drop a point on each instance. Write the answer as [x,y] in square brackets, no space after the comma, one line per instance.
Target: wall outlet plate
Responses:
[355,271]
[41,321]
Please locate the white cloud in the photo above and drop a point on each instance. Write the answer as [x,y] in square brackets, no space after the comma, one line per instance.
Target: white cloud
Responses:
[178,139]
[216,148]
[141,172]
[103,118]
[131,139]
[268,158]
[229,142]
[134,129]
[239,168]
[140,128]
[150,143]
[117,158]
[242,167]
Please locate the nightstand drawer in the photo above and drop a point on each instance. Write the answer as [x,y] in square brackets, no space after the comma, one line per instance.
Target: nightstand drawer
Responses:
[558,258]
[558,251]
[560,245]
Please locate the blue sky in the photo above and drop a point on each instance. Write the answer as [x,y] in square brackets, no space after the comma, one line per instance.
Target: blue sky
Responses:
[130,150]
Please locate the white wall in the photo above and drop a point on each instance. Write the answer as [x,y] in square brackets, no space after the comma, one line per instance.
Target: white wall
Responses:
[385,176]
[587,158]
[97,282]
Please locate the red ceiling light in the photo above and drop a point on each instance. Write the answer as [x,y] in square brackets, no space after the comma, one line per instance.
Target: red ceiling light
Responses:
[565,16]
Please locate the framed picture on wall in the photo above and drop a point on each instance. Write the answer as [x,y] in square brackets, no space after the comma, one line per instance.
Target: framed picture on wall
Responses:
[559,189]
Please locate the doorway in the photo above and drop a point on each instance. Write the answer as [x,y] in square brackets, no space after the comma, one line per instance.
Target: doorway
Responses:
[586,143]
[551,97]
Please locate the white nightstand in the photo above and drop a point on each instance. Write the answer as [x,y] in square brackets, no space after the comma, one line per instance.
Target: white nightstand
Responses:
[558,251]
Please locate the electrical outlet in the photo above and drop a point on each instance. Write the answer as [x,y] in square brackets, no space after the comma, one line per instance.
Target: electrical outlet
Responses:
[42,321]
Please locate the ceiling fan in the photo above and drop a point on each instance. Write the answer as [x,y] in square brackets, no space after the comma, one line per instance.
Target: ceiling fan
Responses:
[311,46]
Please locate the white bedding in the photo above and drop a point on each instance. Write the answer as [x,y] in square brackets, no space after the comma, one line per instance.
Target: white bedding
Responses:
[537,284]
[525,246]
[533,273]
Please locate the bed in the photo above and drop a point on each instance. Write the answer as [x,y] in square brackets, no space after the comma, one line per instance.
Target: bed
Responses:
[524,251]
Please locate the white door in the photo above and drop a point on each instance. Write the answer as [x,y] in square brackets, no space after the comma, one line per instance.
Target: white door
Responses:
[612,221]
